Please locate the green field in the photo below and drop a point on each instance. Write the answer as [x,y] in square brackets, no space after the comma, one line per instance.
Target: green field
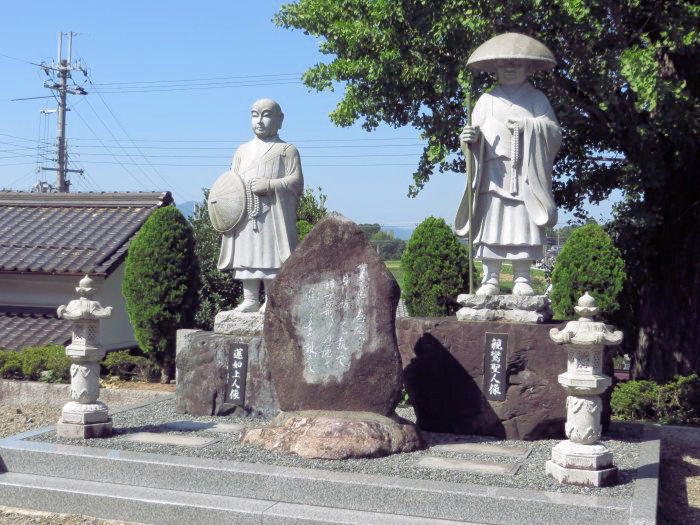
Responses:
[538,281]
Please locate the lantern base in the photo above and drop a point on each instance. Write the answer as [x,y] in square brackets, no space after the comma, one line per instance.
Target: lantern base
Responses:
[568,454]
[84,431]
[586,478]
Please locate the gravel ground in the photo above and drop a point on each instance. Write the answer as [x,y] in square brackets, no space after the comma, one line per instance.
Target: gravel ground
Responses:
[530,475]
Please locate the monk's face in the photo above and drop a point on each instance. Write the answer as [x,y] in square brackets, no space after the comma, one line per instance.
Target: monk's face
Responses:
[511,73]
[266,118]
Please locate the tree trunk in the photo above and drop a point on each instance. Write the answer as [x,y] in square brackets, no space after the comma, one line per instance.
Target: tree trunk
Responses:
[668,307]
[167,372]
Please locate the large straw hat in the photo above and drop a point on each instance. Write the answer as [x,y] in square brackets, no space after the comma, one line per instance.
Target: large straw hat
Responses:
[511,46]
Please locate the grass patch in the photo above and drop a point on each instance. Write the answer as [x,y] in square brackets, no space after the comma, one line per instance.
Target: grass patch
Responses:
[395,268]
[539,284]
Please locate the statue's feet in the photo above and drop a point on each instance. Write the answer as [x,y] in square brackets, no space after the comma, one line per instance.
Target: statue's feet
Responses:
[523,289]
[488,289]
[247,306]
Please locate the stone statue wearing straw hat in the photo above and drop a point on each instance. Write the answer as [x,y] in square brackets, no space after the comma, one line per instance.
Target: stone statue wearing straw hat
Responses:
[514,137]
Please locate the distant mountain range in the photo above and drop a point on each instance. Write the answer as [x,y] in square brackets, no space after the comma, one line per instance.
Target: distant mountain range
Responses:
[400,232]
[186,208]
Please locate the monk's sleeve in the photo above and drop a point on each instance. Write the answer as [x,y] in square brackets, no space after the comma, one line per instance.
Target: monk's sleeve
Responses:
[541,143]
[293,179]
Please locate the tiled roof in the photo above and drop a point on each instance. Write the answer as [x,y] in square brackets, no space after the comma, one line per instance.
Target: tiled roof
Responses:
[21,327]
[71,233]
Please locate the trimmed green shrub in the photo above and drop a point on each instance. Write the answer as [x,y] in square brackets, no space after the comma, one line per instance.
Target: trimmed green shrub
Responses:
[676,402]
[129,367]
[49,358]
[10,365]
[43,363]
[588,262]
[436,268]
[217,290]
[160,284]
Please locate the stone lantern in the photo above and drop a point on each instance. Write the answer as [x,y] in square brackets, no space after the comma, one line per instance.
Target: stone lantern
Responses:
[582,459]
[85,416]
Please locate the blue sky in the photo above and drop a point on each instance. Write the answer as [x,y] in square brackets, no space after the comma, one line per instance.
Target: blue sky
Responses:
[170,86]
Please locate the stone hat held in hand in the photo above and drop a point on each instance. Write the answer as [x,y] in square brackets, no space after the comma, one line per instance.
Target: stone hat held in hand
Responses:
[511,46]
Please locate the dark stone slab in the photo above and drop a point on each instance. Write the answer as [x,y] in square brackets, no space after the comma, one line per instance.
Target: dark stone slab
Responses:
[444,361]
[205,369]
[329,324]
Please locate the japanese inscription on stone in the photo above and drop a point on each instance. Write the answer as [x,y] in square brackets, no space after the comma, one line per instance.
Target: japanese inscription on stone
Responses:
[238,366]
[333,315]
[495,358]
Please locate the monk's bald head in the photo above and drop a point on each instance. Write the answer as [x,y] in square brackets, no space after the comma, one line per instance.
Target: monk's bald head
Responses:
[266,117]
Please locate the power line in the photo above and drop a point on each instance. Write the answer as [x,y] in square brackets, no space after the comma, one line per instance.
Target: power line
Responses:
[115,155]
[134,143]
[269,75]
[226,141]
[107,148]
[174,156]
[228,163]
[198,88]
[229,148]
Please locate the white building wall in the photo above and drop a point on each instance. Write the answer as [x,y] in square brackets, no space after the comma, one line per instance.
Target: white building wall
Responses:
[54,290]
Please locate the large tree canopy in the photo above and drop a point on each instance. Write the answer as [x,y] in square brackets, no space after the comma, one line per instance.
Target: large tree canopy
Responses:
[626,86]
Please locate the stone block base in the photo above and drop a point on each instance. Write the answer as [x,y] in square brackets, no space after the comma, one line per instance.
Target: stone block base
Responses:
[329,434]
[587,478]
[443,361]
[84,431]
[514,308]
[239,323]
[203,367]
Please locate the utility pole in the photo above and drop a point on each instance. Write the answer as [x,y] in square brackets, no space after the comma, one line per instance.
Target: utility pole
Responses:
[63,69]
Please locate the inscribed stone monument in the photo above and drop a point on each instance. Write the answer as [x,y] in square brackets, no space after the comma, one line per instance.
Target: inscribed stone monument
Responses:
[254,205]
[514,137]
[333,358]
[329,328]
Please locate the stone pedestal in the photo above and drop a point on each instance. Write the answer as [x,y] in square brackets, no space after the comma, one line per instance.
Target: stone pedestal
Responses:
[582,460]
[516,308]
[444,374]
[85,416]
[206,368]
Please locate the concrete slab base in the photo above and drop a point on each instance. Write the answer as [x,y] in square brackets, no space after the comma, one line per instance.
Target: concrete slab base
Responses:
[170,439]
[162,488]
[84,431]
[480,467]
[586,478]
[481,448]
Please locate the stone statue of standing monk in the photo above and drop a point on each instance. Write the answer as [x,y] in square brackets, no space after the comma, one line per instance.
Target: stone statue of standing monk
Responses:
[254,205]
[514,137]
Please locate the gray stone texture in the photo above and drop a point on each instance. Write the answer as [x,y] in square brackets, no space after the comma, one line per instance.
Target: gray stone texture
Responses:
[336,435]
[515,308]
[329,325]
[202,367]
[238,323]
[443,361]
